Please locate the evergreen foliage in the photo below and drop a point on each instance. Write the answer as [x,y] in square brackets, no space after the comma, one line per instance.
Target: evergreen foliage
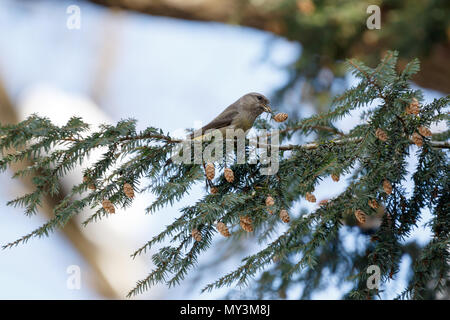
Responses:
[312,242]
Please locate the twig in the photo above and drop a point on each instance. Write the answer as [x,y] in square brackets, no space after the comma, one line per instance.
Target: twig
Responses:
[370,80]
[140,137]
[324,128]
[440,144]
[403,124]
[309,146]
[313,145]
[330,129]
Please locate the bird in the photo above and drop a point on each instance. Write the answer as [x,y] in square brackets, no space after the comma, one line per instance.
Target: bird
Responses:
[239,115]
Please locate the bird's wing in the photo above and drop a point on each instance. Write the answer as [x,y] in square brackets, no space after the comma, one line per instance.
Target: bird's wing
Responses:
[222,120]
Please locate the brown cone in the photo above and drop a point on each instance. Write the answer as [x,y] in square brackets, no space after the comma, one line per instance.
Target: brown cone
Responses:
[310,197]
[380,134]
[425,131]
[222,228]
[214,190]
[269,201]
[108,206]
[335,177]
[196,235]
[387,187]
[414,107]
[229,175]
[417,139]
[280,117]
[246,223]
[210,171]
[284,215]
[128,190]
[360,216]
[91,186]
[373,204]
[246,226]
[246,219]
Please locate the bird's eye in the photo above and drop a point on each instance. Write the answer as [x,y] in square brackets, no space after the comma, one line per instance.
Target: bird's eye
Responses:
[259,98]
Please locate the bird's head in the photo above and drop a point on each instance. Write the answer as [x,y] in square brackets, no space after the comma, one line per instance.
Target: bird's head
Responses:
[257,102]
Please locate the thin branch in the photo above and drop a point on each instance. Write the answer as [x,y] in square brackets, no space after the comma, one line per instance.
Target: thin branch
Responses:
[440,144]
[323,128]
[313,145]
[330,129]
[370,80]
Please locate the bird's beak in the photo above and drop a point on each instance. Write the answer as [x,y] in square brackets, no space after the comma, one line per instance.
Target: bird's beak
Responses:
[267,108]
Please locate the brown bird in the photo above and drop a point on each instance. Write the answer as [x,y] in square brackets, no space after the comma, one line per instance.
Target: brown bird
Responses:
[239,115]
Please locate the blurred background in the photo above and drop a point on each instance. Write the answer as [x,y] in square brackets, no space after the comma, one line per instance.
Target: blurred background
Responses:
[175,64]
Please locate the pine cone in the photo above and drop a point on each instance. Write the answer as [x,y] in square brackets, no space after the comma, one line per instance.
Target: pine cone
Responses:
[335,177]
[229,175]
[246,223]
[246,226]
[108,206]
[280,117]
[222,228]
[214,190]
[128,190]
[425,131]
[417,139]
[323,202]
[387,187]
[373,204]
[91,186]
[284,215]
[269,201]
[360,216]
[210,171]
[414,107]
[380,134]
[196,235]
[246,219]
[310,197]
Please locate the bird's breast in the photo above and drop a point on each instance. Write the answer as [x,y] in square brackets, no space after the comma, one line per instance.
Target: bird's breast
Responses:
[244,122]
